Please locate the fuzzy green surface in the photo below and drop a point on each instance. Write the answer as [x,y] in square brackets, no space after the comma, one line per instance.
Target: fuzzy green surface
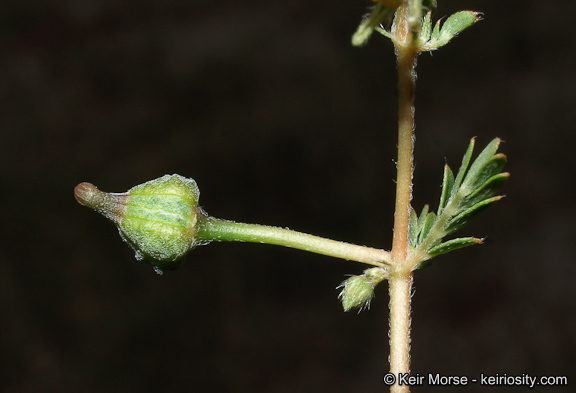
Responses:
[160,220]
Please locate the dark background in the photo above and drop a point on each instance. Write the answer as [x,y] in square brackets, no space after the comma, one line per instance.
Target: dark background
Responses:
[281,122]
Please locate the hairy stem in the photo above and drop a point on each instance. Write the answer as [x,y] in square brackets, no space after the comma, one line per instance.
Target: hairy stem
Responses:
[400,290]
[214,229]
[400,281]
[406,56]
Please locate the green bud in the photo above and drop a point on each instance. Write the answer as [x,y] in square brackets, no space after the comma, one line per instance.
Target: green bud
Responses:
[158,219]
[358,291]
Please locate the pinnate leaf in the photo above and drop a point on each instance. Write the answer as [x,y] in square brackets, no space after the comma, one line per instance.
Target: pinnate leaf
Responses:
[463,197]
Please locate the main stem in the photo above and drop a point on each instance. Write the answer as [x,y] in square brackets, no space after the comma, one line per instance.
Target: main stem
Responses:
[406,63]
[400,281]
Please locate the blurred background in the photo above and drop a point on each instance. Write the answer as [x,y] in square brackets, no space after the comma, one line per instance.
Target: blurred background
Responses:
[282,122]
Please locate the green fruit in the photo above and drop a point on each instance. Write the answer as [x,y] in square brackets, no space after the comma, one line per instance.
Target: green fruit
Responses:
[158,219]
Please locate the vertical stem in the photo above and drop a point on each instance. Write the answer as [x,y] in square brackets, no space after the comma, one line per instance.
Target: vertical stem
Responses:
[400,281]
[406,79]
[400,291]
[406,55]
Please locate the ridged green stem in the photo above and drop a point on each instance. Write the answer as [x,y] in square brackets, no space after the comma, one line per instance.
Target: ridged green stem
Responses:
[214,229]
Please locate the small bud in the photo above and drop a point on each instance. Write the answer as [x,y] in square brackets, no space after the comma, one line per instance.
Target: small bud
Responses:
[157,219]
[358,291]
